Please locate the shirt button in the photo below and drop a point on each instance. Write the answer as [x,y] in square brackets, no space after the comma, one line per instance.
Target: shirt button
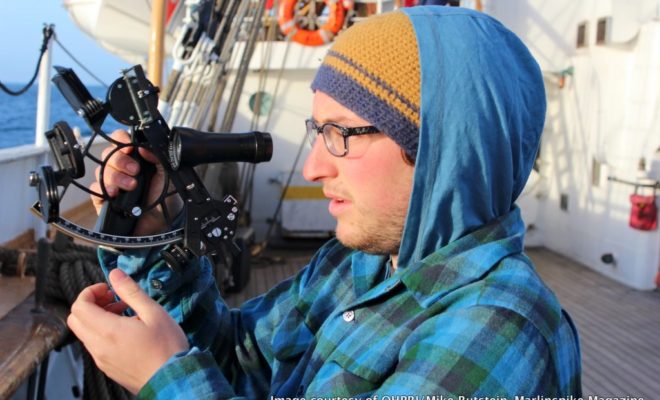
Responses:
[348,316]
[156,284]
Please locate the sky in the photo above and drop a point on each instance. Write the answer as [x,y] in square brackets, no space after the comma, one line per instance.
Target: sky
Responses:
[21,37]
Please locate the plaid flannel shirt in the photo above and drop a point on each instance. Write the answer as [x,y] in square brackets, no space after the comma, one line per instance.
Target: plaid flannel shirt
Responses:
[472,319]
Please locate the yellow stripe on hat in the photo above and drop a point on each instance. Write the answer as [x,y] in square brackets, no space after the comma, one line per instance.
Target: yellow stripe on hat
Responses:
[373,87]
[390,56]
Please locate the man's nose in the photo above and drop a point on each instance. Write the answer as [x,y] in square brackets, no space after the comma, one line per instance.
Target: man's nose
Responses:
[318,164]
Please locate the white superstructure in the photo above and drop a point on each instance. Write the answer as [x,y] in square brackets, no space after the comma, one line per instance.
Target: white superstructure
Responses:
[603,122]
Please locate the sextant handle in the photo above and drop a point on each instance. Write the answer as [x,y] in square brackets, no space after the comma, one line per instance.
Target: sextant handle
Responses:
[120,215]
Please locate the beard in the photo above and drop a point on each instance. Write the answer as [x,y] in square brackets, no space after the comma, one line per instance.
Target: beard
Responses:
[374,233]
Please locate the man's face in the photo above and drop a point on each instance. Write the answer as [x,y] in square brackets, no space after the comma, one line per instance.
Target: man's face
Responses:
[369,188]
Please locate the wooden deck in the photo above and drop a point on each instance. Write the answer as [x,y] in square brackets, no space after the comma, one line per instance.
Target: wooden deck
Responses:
[619,327]
[271,268]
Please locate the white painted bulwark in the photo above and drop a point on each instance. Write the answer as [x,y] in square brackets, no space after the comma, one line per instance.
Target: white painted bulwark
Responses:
[18,197]
[15,166]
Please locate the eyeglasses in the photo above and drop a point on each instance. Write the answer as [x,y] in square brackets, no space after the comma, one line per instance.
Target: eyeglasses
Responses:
[336,136]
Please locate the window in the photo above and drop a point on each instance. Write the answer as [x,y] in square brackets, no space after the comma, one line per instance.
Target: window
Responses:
[602,30]
[581,35]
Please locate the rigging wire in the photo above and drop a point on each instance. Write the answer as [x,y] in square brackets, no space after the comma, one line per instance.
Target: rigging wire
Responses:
[192,93]
[273,220]
[259,249]
[212,174]
[80,64]
[246,177]
[48,32]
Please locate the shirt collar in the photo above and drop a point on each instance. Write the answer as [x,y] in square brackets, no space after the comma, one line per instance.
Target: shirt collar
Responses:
[465,260]
[368,270]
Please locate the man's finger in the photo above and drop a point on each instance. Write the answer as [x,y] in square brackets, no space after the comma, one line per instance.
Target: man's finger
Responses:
[93,292]
[82,332]
[96,188]
[130,293]
[86,309]
[108,298]
[147,155]
[121,135]
[117,307]
[114,177]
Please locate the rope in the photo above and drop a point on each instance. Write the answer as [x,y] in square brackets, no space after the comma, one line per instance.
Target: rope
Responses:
[48,33]
[9,262]
[71,268]
[261,247]
[246,176]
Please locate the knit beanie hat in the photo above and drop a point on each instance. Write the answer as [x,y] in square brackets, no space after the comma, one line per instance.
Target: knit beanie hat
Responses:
[373,69]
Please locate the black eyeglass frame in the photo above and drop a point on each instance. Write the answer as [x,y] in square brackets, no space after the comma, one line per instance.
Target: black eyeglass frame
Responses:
[312,127]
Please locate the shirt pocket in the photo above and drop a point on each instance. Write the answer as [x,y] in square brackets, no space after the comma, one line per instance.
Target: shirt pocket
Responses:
[367,364]
[356,366]
[369,352]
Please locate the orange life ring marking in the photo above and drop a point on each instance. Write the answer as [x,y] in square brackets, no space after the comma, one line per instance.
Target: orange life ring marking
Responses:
[336,14]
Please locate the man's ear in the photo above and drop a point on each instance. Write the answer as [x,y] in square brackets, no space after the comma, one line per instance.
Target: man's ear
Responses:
[407,159]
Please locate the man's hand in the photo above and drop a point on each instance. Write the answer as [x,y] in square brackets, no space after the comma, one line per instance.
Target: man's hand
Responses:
[119,174]
[128,349]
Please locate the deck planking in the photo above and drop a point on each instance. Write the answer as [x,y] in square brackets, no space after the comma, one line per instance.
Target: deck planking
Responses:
[619,327]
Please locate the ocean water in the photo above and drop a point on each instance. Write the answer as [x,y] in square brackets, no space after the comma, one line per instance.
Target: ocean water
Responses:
[18,115]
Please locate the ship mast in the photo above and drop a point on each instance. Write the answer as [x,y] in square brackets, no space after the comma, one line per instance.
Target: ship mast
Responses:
[156,40]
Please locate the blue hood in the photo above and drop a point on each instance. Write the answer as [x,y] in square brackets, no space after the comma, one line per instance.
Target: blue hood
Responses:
[482,114]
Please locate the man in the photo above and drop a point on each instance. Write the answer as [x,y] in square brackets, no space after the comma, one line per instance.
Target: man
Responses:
[430,120]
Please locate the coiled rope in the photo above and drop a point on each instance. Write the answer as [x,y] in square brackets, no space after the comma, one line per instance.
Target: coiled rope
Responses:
[71,268]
